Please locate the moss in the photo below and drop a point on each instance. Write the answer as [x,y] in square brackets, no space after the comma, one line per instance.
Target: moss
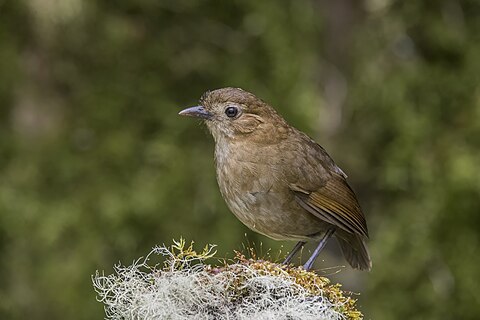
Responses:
[184,286]
[316,285]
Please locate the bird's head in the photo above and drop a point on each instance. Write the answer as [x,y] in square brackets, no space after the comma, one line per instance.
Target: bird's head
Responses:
[234,113]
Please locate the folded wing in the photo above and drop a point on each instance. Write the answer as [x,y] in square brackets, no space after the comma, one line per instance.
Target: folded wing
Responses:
[335,203]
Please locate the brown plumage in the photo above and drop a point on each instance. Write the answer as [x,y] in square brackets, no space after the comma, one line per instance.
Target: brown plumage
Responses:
[277,180]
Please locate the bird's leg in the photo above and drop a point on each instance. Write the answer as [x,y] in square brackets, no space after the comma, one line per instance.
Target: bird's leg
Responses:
[295,249]
[308,265]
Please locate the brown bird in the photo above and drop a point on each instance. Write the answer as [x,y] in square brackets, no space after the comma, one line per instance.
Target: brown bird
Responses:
[277,180]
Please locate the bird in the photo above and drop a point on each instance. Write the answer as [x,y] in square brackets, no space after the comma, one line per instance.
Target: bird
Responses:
[277,180]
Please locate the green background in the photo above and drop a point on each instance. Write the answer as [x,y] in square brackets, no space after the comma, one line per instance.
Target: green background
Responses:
[96,166]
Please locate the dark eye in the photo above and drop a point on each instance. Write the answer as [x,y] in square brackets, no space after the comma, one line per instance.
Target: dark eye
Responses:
[231,112]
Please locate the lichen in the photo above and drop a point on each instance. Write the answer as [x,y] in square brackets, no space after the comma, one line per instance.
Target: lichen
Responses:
[185,287]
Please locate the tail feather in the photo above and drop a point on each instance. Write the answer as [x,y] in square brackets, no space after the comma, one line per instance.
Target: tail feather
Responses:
[355,251]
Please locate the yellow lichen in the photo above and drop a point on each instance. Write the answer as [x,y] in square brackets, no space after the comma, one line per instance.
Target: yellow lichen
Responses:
[309,280]
[241,288]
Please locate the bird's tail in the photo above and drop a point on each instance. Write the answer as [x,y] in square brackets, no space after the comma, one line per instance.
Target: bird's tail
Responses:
[355,251]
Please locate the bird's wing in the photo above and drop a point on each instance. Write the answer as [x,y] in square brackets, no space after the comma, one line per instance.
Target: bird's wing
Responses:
[335,203]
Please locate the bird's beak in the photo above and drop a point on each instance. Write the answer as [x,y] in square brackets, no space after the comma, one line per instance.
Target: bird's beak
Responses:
[197,111]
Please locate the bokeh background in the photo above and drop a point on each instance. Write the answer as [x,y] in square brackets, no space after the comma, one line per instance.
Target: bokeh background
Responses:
[96,167]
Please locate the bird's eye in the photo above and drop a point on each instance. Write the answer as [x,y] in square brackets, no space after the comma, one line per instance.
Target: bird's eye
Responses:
[231,112]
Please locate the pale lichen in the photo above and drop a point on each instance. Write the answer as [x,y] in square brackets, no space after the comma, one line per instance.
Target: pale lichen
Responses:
[185,287]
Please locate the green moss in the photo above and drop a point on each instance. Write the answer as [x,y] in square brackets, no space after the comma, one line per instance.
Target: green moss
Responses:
[239,270]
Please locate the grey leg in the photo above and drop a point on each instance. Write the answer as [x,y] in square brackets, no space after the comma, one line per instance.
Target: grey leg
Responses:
[309,264]
[295,249]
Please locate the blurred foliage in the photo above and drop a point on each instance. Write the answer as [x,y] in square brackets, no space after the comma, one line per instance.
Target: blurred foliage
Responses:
[97,167]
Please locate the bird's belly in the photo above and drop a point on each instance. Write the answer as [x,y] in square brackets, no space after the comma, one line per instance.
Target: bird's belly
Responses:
[257,193]
[275,214]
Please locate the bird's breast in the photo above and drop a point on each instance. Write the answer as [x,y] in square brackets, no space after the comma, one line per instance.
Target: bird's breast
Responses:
[256,192]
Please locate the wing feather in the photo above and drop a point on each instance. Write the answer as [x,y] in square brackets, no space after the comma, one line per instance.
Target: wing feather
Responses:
[334,202]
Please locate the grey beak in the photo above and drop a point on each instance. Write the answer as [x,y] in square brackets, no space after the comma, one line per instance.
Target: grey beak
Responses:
[197,111]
